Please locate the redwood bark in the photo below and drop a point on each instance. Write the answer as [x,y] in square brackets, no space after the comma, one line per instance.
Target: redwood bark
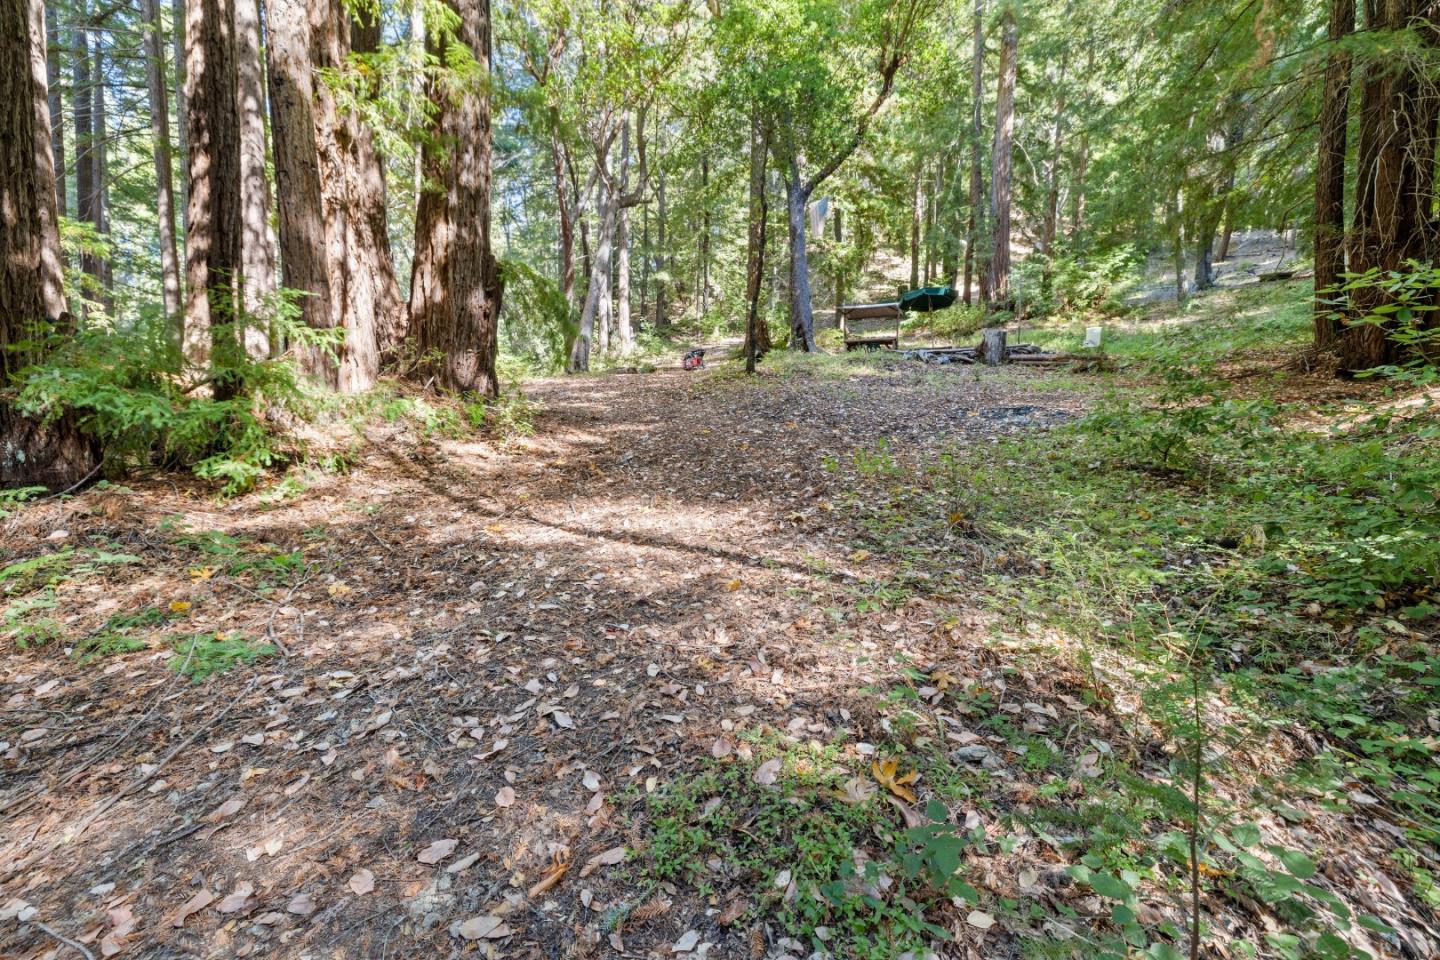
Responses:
[164,174]
[57,109]
[52,454]
[333,233]
[455,284]
[213,257]
[1394,177]
[1000,164]
[257,250]
[1330,172]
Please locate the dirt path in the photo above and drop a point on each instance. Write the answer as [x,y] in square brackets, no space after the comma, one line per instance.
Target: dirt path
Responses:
[494,652]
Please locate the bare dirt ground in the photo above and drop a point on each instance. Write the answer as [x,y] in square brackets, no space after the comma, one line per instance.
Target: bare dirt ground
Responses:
[485,646]
[487,657]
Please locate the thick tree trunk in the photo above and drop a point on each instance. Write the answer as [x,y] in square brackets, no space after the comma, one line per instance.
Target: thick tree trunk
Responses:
[455,282]
[976,227]
[1330,173]
[375,311]
[164,175]
[802,320]
[756,336]
[1394,177]
[52,454]
[623,331]
[304,249]
[333,233]
[213,255]
[1000,165]
[51,268]
[257,249]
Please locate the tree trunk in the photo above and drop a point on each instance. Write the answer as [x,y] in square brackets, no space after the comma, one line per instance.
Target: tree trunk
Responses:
[82,94]
[1330,173]
[976,227]
[52,454]
[213,255]
[839,269]
[1227,230]
[1204,247]
[704,236]
[917,212]
[1394,177]
[1057,147]
[257,251]
[623,330]
[662,262]
[164,175]
[100,162]
[304,249]
[1000,169]
[1077,214]
[333,233]
[802,320]
[182,132]
[57,110]
[756,336]
[566,212]
[455,282]
[375,310]
[599,289]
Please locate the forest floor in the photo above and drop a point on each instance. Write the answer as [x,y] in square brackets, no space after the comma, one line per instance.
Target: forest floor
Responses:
[642,684]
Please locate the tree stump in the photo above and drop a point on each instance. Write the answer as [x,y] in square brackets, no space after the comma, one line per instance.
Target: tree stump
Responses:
[993,347]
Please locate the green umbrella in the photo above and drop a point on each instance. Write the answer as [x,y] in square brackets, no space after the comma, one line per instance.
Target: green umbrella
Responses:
[926,299]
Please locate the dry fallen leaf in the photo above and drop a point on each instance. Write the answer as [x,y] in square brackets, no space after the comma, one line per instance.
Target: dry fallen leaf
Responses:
[980,920]
[486,927]
[559,865]
[885,772]
[437,851]
[362,882]
[612,856]
[301,906]
[239,899]
[687,942]
[194,905]
[505,797]
[768,772]
[733,911]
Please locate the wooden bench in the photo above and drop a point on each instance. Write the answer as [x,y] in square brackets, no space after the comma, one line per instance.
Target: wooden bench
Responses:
[871,326]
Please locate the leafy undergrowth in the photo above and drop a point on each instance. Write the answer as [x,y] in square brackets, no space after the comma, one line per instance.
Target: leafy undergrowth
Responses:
[1240,583]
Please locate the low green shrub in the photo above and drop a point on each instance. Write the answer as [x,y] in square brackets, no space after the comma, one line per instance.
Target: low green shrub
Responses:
[130,387]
